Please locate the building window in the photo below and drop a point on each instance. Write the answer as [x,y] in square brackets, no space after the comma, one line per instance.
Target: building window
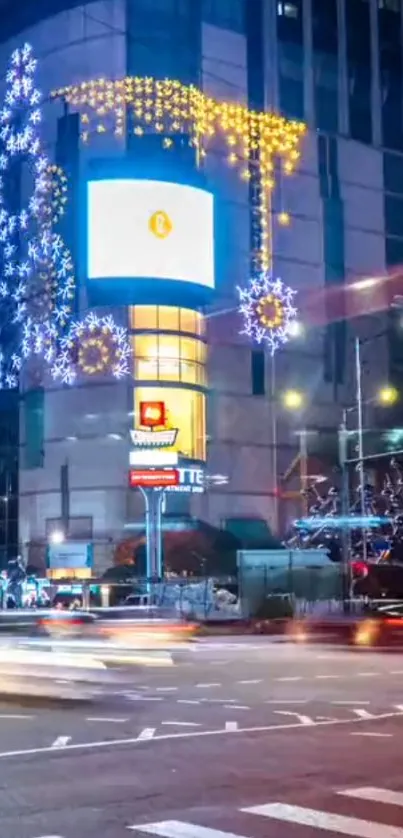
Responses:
[393,173]
[185,410]
[393,251]
[290,36]
[358,29]
[258,372]
[393,215]
[290,10]
[391,68]
[325,63]
[167,319]
[34,429]
[227,14]
[162,357]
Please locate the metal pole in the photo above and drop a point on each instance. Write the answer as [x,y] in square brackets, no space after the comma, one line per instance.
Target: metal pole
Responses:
[345,504]
[361,473]
[273,416]
[158,532]
[303,469]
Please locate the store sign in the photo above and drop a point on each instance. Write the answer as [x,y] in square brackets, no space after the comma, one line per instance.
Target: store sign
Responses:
[153,439]
[152,414]
[153,478]
[69,556]
[191,481]
[153,457]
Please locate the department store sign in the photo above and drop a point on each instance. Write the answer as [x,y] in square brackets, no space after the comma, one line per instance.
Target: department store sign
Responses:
[191,481]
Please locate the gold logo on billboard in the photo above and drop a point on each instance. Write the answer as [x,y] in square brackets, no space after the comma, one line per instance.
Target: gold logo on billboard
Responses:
[160,224]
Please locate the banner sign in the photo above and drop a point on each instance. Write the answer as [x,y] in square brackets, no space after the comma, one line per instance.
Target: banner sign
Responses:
[154,439]
[153,478]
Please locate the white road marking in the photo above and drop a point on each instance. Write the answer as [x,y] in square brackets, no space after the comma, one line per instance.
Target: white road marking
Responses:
[375,795]
[326,677]
[110,743]
[231,726]
[343,825]
[179,829]
[287,701]
[145,734]
[349,702]
[376,735]
[166,689]
[290,678]
[182,724]
[218,700]
[367,674]
[399,707]
[50,836]
[104,719]
[396,672]
[143,698]
[303,720]
[187,701]
[236,707]
[207,686]
[61,741]
[363,714]
[15,716]
[252,681]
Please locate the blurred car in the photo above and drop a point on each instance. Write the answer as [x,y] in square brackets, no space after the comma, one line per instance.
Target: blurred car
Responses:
[143,626]
[379,625]
[60,623]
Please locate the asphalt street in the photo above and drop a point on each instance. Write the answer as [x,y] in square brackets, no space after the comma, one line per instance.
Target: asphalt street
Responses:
[249,739]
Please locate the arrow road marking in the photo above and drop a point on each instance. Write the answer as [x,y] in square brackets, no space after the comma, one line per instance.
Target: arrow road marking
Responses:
[147,733]
[61,741]
[363,714]
[303,720]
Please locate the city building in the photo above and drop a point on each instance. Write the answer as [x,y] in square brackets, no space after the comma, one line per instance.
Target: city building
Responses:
[335,65]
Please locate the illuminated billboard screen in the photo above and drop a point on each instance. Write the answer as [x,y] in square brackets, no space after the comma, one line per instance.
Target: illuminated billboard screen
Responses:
[148,231]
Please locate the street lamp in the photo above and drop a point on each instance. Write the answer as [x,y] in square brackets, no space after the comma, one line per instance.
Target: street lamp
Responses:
[56,537]
[387,396]
[293,399]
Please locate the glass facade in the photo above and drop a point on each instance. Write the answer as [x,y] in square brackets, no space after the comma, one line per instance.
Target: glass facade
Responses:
[185,410]
[358,42]
[290,37]
[391,67]
[163,39]
[169,350]
[325,64]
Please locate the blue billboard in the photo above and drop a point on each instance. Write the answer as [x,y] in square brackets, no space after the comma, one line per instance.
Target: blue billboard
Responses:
[148,241]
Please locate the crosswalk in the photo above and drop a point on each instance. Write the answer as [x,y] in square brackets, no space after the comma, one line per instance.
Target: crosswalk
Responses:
[264,820]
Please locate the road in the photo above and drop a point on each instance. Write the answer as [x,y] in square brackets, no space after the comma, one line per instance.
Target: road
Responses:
[250,739]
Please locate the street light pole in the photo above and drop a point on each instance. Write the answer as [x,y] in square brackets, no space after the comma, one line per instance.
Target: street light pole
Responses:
[361,472]
[345,511]
[273,416]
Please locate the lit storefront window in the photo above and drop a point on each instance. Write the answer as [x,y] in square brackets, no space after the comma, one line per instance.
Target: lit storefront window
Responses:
[167,319]
[185,410]
[163,357]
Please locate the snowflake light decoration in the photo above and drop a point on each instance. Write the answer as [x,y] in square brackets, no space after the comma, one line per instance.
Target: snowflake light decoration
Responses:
[268,312]
[37,285]
[93,346]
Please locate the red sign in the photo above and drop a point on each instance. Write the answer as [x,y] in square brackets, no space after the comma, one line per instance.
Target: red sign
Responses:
[153,477]
[152,414]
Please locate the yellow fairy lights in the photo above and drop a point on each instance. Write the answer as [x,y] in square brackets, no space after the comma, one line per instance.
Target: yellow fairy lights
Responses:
[270,312]
[94,355]
[254,140]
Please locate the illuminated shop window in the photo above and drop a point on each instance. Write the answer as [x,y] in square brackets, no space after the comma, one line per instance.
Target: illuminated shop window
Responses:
[163,357]
[186,411]
[167,319]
